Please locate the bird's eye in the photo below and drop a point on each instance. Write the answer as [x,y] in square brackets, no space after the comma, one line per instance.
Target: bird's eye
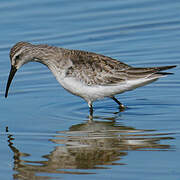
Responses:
[17,57]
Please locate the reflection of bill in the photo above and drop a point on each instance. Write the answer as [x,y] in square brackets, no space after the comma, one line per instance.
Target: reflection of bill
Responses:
[88,146]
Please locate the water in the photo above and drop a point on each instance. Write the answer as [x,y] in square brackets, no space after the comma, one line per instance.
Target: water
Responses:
[46,133]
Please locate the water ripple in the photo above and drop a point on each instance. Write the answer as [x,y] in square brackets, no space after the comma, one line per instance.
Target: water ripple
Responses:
[49,132]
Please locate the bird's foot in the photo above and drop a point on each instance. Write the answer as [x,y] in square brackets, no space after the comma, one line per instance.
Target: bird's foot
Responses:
[122,107]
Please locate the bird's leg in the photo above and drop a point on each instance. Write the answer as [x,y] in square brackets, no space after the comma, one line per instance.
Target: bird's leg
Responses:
[90,108]
[121,106]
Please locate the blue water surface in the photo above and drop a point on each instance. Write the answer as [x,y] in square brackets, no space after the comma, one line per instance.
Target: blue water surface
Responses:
[46,133]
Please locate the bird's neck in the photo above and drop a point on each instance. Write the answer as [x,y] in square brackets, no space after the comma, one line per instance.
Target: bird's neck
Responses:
[56,59]
[50,56]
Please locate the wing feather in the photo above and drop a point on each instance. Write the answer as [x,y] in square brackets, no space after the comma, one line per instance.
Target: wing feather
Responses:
[96,69]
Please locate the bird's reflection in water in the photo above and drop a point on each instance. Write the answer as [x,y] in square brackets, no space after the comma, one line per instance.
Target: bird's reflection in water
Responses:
[90,145]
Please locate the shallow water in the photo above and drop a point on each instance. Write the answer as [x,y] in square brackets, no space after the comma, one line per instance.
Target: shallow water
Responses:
[46,133]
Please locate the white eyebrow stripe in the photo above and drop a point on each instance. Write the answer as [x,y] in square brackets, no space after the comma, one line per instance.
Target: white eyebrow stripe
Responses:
[17,54]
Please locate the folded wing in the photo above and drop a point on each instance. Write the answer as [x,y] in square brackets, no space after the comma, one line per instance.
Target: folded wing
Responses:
[94,69]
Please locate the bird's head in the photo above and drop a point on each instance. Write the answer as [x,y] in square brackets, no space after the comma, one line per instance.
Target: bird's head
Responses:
[19,55]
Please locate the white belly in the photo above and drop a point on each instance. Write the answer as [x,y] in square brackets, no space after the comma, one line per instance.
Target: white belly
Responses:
[92,93]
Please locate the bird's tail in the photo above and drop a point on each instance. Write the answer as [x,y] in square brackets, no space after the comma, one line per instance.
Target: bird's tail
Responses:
[162,68]
[142,76]
[149,72]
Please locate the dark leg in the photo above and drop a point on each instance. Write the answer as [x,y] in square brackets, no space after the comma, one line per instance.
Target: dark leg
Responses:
[90,108]
[121,106]
[7,129]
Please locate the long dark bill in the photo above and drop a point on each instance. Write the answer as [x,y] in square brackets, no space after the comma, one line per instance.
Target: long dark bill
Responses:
[11,75]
